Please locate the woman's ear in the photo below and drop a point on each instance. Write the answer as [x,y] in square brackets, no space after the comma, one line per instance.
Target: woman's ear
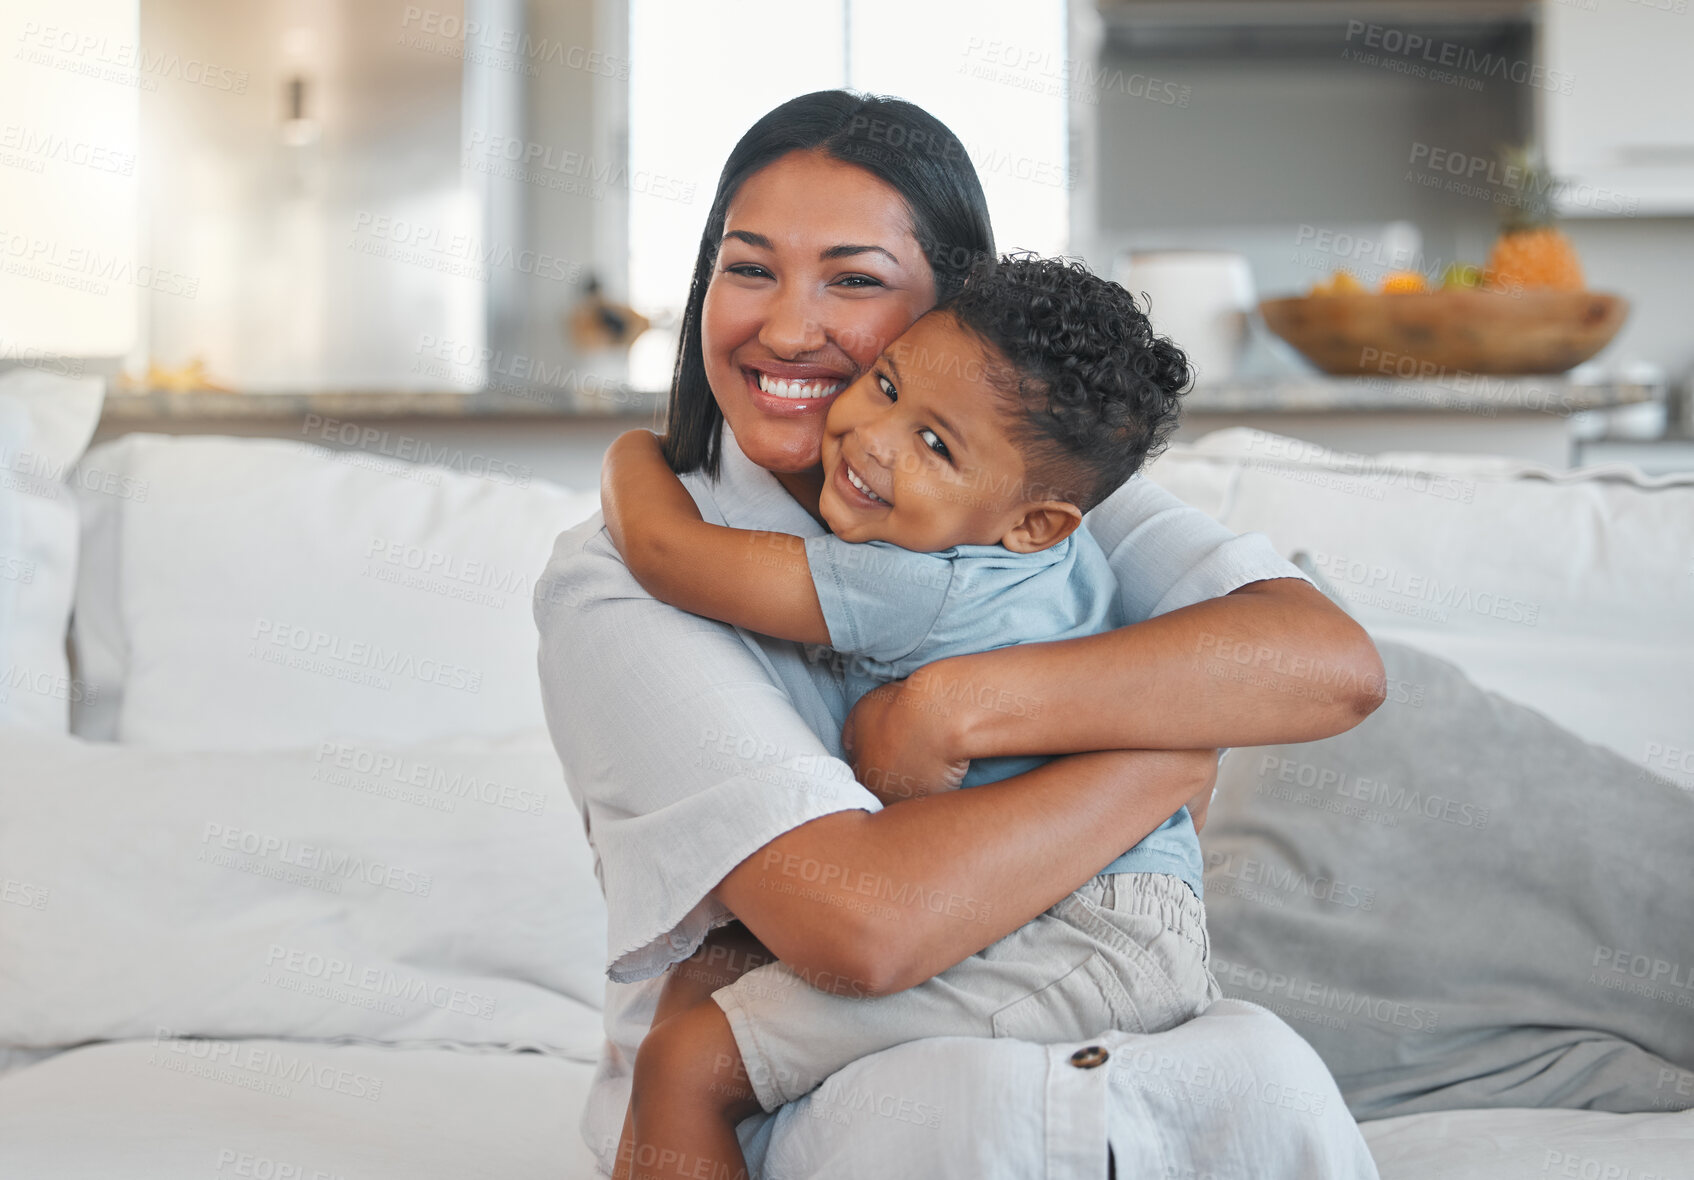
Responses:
[1042,526]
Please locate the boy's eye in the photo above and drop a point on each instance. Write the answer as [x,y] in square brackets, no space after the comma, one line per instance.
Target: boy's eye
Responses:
[887,387]
[934,443]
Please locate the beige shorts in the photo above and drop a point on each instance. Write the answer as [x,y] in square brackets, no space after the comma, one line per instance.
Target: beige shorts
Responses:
[1126,951]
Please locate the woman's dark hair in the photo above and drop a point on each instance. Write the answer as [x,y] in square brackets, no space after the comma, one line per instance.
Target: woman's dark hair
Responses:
[900,144]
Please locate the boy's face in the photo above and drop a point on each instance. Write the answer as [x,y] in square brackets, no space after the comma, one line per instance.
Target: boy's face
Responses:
[916,451]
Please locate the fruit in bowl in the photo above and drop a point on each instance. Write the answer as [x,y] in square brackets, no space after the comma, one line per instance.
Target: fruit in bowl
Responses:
[1527,310]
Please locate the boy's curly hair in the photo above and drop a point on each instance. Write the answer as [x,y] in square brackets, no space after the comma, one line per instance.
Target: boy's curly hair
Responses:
[1093,393]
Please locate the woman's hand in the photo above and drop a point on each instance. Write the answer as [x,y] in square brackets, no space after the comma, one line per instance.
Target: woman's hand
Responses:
[894,741]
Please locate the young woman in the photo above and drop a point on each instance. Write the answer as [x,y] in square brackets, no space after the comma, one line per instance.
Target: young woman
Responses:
[707,761]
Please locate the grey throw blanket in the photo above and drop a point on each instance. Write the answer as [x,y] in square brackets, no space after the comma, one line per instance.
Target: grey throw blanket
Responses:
[1460,904]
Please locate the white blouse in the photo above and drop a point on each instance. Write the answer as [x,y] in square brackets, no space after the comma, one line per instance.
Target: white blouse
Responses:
[689,744]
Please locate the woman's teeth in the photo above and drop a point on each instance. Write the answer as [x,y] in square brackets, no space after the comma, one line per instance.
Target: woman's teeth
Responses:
[799,390]
[853,478]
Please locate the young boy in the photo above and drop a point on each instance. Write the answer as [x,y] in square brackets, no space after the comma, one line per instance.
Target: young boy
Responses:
[956,473]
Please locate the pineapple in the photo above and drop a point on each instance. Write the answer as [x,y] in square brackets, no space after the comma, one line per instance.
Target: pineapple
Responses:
[1532,254]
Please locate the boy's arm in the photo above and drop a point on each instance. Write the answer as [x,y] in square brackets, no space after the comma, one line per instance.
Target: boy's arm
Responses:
[757,580]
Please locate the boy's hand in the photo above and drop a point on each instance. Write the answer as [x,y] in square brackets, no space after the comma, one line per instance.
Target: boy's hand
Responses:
[896,748]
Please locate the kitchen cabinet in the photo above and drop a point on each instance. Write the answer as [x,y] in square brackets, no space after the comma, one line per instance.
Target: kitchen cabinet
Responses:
[1621,136]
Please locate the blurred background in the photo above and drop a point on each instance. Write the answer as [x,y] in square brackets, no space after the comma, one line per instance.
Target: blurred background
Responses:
[479,219]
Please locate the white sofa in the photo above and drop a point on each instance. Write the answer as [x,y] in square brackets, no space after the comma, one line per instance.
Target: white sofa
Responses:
[293,887]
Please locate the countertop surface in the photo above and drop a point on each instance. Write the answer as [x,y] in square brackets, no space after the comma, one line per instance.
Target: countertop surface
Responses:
[1470,394]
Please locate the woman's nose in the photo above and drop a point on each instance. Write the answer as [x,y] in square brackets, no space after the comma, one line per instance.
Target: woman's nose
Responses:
[792,329]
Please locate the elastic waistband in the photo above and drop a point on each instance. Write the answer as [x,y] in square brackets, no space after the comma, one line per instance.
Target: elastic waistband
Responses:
[1160,895]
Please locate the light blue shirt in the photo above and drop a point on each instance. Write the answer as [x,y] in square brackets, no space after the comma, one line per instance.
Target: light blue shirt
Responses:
[892,610]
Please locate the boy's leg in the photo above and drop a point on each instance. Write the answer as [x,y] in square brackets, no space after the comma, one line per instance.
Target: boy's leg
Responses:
[690,1092]
[1133,959]
[727,953]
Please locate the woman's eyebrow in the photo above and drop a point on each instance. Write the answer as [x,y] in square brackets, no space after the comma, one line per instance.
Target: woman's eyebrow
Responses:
[848,251]
[752,239]
[829,255]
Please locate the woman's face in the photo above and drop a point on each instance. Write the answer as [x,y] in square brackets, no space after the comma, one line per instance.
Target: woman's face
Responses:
[817,272]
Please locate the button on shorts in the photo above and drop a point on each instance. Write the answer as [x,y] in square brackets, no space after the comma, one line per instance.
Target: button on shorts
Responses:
[1127,951]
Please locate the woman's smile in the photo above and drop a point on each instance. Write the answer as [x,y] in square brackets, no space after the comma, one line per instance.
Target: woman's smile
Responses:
[817,270]
[777,388]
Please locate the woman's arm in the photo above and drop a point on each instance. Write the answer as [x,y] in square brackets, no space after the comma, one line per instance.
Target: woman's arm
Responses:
[1236,650]
[879,902]
[748,578]
[704,765]
[1271,662]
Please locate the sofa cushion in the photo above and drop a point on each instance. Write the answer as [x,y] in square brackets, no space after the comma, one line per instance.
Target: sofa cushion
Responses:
[273,594]
[1569,591]
[441,893]
[1461,904]
[45,422]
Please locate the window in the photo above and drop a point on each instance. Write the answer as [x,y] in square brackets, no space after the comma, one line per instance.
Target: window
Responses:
[990,69]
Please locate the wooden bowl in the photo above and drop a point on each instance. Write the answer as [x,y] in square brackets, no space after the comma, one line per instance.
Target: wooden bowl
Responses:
[1429,333]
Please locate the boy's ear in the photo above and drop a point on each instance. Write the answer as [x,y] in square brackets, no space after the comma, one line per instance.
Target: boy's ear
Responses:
[1042,526]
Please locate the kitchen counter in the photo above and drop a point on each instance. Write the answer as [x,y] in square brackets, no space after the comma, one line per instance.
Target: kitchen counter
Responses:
[1473,394]
[1527,417]
[134,408]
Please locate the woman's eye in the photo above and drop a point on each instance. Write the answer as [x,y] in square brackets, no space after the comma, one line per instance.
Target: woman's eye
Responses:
[750,270]
[858,281]
[887,387]
[934,443]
